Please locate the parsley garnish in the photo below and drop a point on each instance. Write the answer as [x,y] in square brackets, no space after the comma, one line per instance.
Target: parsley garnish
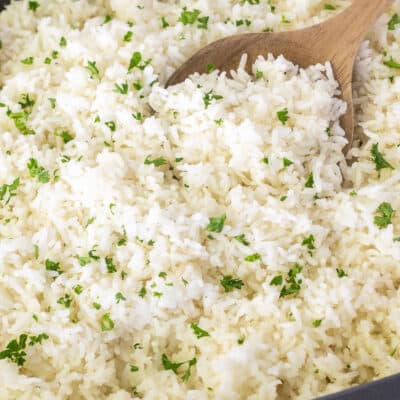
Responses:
[277,280]
[216,224]
[19,119]
[287,162]
[15,349]
[128,36]
[164,23]
[135,60]
[65,136]
[93,70]
[392,63]
[200,333]
[84,261]
[157,162]
[329,7]
[189,17]
[134,368]
[78,289]
[53,266]
[309,242]
[393,22]
[107,19]
[37,171]
[26,102]
[310,181]
[111,125]
[209,97]
[27,61]
[283,116]
[317,323]
[242,239]
[123,88]
[106,323]
[97,306]
[229,283]
[111,268]
[169,365]
[384,215]
[63,42]
[379,160]
[340,273]
[138,116]
[119,297]
[65,301]
[33,5]
[142,292]
[9,190]
[253,257]
[293,284]
[53,102]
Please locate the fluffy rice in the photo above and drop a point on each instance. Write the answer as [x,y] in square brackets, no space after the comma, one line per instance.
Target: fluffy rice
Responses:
[109,322]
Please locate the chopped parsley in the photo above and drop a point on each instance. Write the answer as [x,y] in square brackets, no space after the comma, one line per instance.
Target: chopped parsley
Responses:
[253,257]
[111,268]
[135,60]
[123,88]
[157,162]
[106,323]
[78,289]
[242,239]
[378,158]
[384,214]
[138,116]
[209,97]
[20,119]
[293,284]
[395,20]
[287,162]
[259,74]
[210,68]
[53,266]
[310,181]
[9,191]
[107,19]
[277,280]
[284,20]
[26,102]
[97,306]
[111,125]
[63,42]
[340,273]
[142,292]
[317,323]
[93,70]
[36,251]
[216,224]
[392,63]
[27,61]
[172,366]
[119,297]
[33,5]
[134,368]
[164,23]
[229,283]
[241,340]
[329,7]
[309,242]
[37,171]
[65,136]
[65,301]
[189,17]
[15,349]
[200,333]
[53,102]
[283,116]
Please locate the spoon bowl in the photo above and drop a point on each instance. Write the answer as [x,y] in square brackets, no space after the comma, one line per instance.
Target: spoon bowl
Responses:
[336,40]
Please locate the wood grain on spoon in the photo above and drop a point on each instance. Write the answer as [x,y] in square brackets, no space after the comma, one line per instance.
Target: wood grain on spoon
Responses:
[336,40]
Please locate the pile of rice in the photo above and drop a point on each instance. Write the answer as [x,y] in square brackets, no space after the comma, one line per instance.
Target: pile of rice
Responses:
[194,242]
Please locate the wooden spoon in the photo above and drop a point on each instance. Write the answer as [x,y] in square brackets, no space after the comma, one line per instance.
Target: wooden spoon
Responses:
[337,40]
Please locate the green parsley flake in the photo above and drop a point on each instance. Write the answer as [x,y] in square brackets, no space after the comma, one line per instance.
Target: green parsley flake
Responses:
[277,280]
[172,366]
[107,19]
[63,42]
[209,97]
[229,283]
[111,125]
[135,60]
[65,301]
[384,215]
[200,333]
[293,284]
[53,102]
[253,257]
[9,191]
[340,273]
[157,162]
[142,292]
[128,36]
[329,7]
[378,158]
[27,61]
[20,119]
[216,224]
[111,268]
[317,323]
[26,102]
[33,5]
[310,181]
[242,239]
[78,289]
[53,266]
[97,306]
[395,20]
[37,171]
[164,23]
[106,323]
[119,297]
[283,116]
[134,368]
[189,17]
[309,242]
[392,63]
[93,70]
[287,162]
[65,136]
